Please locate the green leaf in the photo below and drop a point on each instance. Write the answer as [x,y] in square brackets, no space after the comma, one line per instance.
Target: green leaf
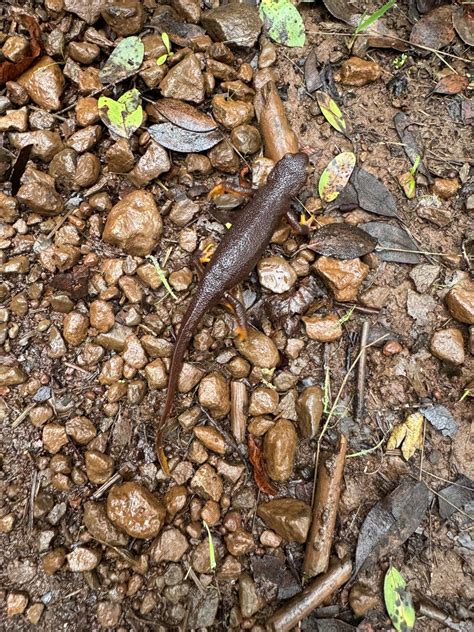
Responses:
[408,184]
[398,601]
[212,555]
[283,21]
[166,41]
[162,276]
[126,58]
[364,24]
[124,116]
[331,111]
[162,59]
[416,164]
[335,177]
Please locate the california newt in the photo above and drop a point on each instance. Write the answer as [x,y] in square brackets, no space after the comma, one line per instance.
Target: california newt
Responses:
[235,257]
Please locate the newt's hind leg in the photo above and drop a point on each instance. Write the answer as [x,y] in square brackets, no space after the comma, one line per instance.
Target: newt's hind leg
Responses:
[239,310]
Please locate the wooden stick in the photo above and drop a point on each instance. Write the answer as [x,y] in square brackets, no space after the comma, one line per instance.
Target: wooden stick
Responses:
[312,596]
[238,412]
[325,504]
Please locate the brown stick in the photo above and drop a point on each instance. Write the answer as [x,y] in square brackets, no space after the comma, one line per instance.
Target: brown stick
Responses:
[238,416]
[278,137]
[312,596]
[360,388]
[325,504]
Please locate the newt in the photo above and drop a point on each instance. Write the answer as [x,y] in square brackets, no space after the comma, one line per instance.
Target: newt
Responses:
[233,260]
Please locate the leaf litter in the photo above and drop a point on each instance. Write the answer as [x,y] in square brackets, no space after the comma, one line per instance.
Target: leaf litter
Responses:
[341,241]
[125,59]
[394,243]
[398,601]
[336,176]
[366,191]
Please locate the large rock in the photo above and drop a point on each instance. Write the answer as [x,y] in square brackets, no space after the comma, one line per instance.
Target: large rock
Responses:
[289,517]
[279,449]
[134,224]
[44,83]
[460,302]
[87,10]
[233,23]
[135,511]
[184,81]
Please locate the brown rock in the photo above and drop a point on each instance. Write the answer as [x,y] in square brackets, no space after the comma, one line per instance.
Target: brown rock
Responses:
[201,561]
[108,614]
[11,375]
[448,345]
[170,546]
[249,600]
[279,449]
[207,483]
[309,407]
[83,52]
[263,401]
[34,613]
[237,24]
[445,188]
[41,198]
[375,297]
[151,165]
[119,156]
[184,81]
[258,349]
[224,158]
[83,559]
[16,604]
[15,265]
[40,415]
[125,17]
[44,83]
[75,327]
[15,48]
[8,208]
[53,560]
[101,315]
[246,138]
[133,353]
[155,373]
[183,211]
[276,274]
[343,277]
[214,395]
[85,138]
[100,527]
[190,10]
[54,437]
[135,510]
[99,466]
[239,542]
[460,302]
[87,111]
[435,214]
[112,370]
[87,10]
[358,72]
[131,288]
[270,538]
[211,513]
[210,438]
[88,171]
[175,499]
[231,113]
[46,144]
[180,280]
[323,328]
[134,224]
[14,121]
[362,599]
[7,523]
[289,517]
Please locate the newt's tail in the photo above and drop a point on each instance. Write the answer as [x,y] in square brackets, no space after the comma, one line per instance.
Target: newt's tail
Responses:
[196,310]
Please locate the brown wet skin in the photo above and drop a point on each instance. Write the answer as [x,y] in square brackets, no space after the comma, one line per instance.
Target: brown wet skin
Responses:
[234,259]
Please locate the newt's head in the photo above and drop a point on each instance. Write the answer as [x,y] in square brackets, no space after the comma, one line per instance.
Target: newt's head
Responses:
[290,173]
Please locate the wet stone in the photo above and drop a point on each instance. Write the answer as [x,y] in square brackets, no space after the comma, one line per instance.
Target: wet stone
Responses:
[108,614]
[210,438]
[237,24]
[258,349]
[125,17]
[207,483]
[11,375]
[323,328]
[445,188]
[184,81]
[41,198]
[460,302]
[87,111]
[309,407]
[170,546]
[119,156]
[343,277]
[214,394]
[448,345]
[359,72]
[135,510]
[246,138]
[151,165]
[155,373]
[249,600]
[54,437]
[83,559]
[263,401]
[279,449]
[175,499]
[239,542]
[133,353]
[16,604]
[231,113]
[290,518]
[75,328]
[44,82]
[99,466]
[276,274]
[14,121]
[99,526]
[224,158]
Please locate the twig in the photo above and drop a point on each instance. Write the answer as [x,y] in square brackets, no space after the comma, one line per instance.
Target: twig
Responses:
[361,372]
[23,415]
[432,612]
[418,252]
[238,398]
[103,488]
[310,598]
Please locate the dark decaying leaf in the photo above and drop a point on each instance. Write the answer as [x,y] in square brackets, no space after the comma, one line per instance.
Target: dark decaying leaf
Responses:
[391,522]
[273,577]
[451,84]
[184,115]
[183,140]
[256,459]
[435,29]
[458,494]
[9,70]
[328,625]
[440,417]
[367,192]
[424,6]
[312,76]
[18,168]
[342,10]
[402,124]
[74,283]
[463,22]
[342,241]
[391,240]
[281,307]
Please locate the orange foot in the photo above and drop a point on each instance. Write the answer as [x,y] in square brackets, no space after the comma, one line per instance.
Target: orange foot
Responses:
[207,253]
[242,333]
[309,222]
[163,462]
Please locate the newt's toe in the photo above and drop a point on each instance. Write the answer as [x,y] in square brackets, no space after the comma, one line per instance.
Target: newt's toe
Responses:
[242,333]
[310,222]
[207,253]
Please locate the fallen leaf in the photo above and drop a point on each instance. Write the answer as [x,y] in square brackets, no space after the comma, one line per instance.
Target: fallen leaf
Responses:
[440,417]
[184,115]
[178,139]
[367,192]
[398,601]
[463,22]
[342,241]
[124,116]
[451,84]
[283,22]
[434,30]
[458,494]
[394,243]
[410,146]
[9,70]
[312,76]
[256,459]
[336,176]
[331,111]
[408,435]
[125,59]
[408,184]
[342,10]
[391,522]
